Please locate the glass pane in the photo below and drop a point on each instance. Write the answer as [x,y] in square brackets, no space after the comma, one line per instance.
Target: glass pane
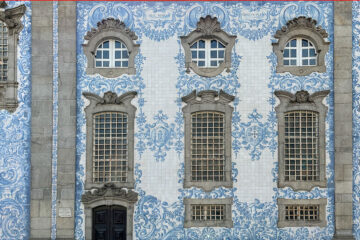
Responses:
[201,63]
[98,54]
[194,45]
[293,52]
[213,44]
[125,64]
[312,62]
[286,52]
[221,54]
[193,54]
[304,52]
[117,64]
[98,63]
[117,54]
[106,54]
[293,43]
[202,54]
[312,53]
[213,54]
[117,44]
[221,45]
[213,63]
[304,62]
[125,54]
[106,63]
[106,44]
[304,43]
[293,62]
[201,44]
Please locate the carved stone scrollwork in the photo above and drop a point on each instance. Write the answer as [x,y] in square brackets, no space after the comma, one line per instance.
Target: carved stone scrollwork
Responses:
[111,97]
[208,25]
[110,24]
[109,190]
[12,17]
[305,28]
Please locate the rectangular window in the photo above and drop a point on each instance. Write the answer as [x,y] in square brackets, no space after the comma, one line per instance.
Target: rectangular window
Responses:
[208,212]
[301,156]
[110,148]
[3,51]
[207,146]
[302,212]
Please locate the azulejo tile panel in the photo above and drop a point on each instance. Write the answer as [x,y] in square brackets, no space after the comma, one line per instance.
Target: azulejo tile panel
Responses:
[160,134]
[15,145]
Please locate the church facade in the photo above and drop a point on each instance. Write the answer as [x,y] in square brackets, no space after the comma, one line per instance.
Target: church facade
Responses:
[179,120]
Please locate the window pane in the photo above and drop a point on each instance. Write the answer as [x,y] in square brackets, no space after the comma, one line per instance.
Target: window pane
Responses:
[201,44]
[304,43]
[117,54]
[117,64]
[202,54]
[117,44]
[106,54]
[213,54]
[312,62]
[201,63]
[305,53]
[194,45]
[304,62]
[106,44]
[213,63]
[98,54]
[125,64]
[106,64]
[193,54]
[312,53]
[286,52]
[213,44]
[293,52]
[221,54]
[293,43]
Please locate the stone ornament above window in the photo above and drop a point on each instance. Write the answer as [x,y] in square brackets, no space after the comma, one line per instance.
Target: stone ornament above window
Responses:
[11,27]
[301,47]
[301,137]
[110,49]
[208,48]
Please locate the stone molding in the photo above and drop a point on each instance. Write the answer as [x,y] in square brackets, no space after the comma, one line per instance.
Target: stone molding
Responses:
[322,202]
[208,100]
[110,102]
[306,28]
[107,29]
[8,89]
[226,222]
[301,100]
[208,28]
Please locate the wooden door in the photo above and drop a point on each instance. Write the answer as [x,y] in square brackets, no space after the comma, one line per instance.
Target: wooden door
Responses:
[109,223]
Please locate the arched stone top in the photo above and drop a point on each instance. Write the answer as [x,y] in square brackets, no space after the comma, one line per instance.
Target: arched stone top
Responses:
[110,28]
[208,28]
[301,27]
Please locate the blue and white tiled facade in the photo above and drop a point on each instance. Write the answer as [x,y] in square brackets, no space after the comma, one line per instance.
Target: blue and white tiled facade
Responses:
[160,81]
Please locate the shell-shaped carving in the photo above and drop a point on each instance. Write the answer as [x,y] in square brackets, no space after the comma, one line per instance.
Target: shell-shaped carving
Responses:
[208,25]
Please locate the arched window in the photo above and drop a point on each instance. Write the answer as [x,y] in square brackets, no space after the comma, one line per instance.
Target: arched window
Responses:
[208,48]
[300,52]
[3,52]
[207,53]
[112,54]
[110,49]
[301,47]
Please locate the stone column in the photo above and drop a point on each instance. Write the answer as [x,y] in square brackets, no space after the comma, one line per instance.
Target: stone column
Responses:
[67,121]
[41,120]
[343,119]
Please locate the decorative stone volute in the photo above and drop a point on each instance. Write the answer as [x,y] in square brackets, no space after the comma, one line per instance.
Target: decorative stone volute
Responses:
[12,17]
[208,25]
[208,96]
[110,24]
[109,190]
[301,22]
[110,97]
[301,96]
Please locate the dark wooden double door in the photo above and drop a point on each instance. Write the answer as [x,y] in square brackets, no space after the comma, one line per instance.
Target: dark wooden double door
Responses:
[109,223]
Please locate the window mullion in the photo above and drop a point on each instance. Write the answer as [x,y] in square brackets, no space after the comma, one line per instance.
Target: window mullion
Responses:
[298,52]
[207,53]
[111,53]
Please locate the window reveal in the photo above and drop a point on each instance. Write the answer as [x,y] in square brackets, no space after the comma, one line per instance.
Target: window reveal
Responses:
[3,51]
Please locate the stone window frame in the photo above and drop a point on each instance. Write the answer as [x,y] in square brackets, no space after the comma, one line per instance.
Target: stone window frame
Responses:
[208,28]
[226,222]
[301,100]
[108,195]
[107,29]
[282,223]
[109,103]
[8,89]
[208,100]
[301,27]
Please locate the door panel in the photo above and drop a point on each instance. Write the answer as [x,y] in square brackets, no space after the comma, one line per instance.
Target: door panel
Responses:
[109,223]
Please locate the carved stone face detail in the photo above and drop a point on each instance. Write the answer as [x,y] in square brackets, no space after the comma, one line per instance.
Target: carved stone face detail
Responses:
[110,97]
[302,96]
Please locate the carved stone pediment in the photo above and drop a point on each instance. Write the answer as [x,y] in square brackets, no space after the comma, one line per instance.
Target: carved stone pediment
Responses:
[110,24]
[208,96]
[109,191]
[208,25]
[12,17]
[110,97]
[301,22]
[301,96]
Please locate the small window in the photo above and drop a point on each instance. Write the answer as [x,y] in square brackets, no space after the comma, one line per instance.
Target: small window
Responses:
[3,52]
[110,49]
[208,212]
[301,47]
[299,52]
[110,140]
[208,48]
[302,212]
[208,140]
[110,147]
[208,53]
[301,136]
[112,54]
